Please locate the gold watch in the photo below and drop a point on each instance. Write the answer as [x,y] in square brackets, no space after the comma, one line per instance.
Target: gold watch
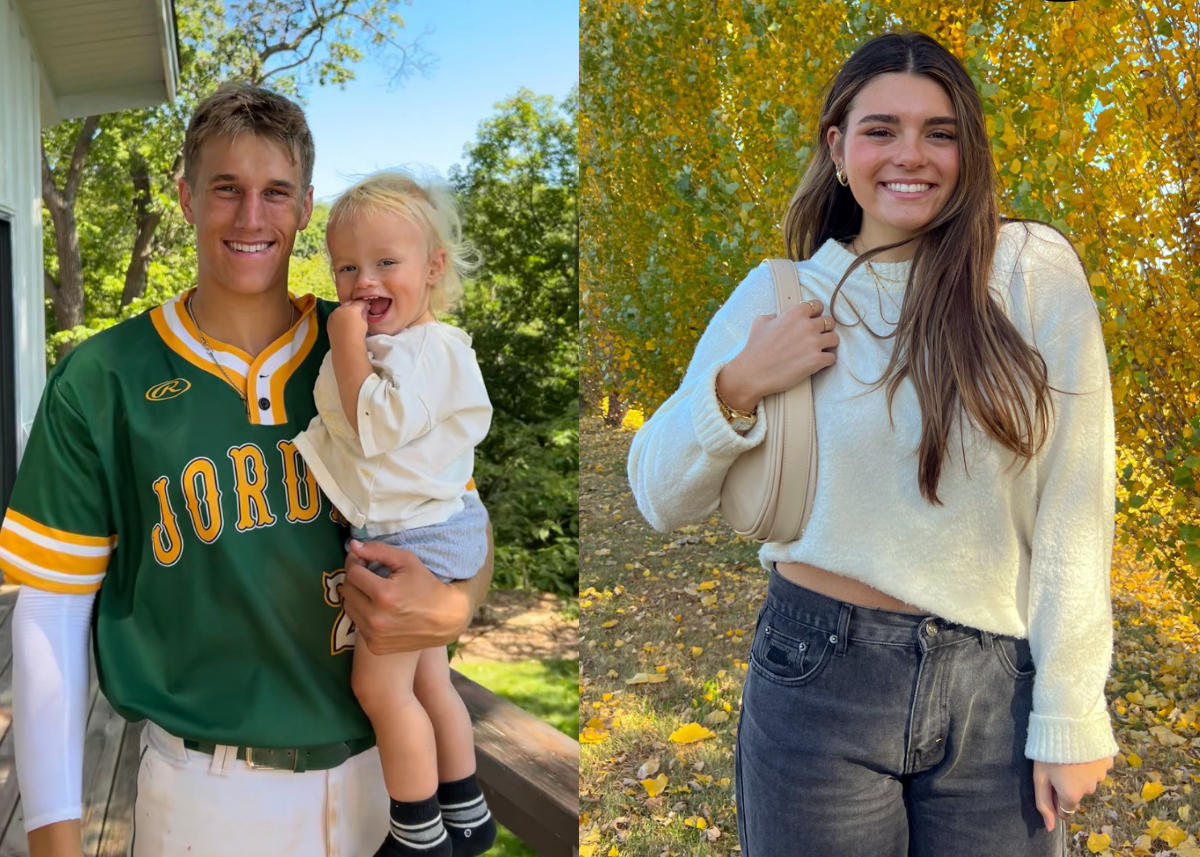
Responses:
[740,421]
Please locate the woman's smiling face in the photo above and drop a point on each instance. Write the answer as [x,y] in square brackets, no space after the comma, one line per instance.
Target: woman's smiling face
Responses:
[900,154]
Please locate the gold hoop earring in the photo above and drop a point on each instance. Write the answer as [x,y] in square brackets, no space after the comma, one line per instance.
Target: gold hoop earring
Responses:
[841,177]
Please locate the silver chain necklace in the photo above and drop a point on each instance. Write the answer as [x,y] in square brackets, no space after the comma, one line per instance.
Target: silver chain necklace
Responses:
[213,357]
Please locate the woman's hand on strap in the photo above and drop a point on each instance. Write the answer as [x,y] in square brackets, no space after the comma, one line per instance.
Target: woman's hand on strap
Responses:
[1058,789]
[411,609]
[782,351]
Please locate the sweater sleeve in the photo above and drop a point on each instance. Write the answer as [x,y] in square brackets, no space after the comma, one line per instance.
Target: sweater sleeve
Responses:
[1069,599]
[679,457]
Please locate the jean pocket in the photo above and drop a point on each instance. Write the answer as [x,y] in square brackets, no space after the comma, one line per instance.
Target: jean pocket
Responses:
[787,652]
[1015,656]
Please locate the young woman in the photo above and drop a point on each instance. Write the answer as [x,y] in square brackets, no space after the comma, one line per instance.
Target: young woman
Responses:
[961,535]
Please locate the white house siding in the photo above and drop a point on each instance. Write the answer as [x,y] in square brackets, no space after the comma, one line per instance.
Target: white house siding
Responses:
[20,204]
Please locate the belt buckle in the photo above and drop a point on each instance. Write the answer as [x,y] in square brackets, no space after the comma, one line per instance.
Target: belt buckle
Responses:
[268,766]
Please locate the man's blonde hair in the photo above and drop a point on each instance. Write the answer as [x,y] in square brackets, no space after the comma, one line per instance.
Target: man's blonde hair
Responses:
[429,205]
[239,108]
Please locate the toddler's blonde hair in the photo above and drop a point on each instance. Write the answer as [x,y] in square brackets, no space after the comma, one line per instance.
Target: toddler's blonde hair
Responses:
[429,204]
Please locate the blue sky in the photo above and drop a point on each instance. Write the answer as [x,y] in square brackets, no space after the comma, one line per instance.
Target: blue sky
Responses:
[485,51]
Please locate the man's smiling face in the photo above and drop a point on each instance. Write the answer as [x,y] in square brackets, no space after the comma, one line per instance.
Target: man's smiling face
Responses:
[247,204]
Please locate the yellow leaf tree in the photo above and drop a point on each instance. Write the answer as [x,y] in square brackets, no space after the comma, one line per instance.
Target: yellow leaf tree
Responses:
[697,121]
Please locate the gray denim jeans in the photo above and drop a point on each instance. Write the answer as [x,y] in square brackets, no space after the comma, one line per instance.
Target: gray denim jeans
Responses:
[869,733]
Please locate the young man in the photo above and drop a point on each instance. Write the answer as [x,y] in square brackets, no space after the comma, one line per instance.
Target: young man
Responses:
[161,494]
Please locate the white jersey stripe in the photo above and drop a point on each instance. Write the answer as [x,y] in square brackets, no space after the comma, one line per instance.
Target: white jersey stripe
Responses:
[48,575]
[258,383]
[54,544]
[171,314]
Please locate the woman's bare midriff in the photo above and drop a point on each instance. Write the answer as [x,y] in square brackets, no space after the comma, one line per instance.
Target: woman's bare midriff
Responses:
[842,588]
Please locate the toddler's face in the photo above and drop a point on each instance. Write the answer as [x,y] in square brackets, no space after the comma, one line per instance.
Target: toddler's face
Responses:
[384,260]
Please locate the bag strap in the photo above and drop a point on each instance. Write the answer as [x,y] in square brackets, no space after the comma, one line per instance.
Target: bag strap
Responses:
[787,284]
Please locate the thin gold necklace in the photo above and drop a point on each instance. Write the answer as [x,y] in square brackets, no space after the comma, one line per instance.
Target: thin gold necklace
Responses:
[880,288]
[213,357]
[875,276]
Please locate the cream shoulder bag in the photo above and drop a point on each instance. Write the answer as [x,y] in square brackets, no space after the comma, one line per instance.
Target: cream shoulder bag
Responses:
[768,491]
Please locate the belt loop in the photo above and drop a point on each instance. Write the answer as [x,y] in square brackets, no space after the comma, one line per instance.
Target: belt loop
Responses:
[985,640]
[219,766]
[164,742]
[843,629]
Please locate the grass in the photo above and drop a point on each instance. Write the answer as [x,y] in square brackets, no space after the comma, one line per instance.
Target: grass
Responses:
[547,689]
[681,607]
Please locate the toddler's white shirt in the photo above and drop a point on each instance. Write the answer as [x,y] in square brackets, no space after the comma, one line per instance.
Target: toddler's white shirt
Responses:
[1021,552]
[420,416]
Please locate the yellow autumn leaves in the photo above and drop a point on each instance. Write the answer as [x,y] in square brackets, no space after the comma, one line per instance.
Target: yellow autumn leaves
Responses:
[1100,842]
[689,733]
[1151,790]
[1091,118]
[655,786]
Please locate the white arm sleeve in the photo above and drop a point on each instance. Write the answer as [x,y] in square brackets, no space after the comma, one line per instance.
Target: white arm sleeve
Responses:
[50,689]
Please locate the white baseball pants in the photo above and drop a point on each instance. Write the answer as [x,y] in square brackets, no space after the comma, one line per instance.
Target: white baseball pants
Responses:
[191,803]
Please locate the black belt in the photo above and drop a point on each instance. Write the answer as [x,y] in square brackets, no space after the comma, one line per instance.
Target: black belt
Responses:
[296,759]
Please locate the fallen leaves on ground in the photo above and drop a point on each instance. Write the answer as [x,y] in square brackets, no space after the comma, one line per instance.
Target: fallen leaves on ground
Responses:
[666,624]
[690,734]
[655,785]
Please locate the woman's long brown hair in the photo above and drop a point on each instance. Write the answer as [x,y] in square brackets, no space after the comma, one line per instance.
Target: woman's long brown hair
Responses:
[953,340]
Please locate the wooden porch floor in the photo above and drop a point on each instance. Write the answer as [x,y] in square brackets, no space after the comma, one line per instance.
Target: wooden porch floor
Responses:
[109,764]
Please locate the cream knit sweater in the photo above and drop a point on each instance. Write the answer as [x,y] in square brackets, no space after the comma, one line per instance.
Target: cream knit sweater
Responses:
[1024,552]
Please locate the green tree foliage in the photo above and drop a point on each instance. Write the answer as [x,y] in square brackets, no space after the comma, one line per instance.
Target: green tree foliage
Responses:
[309,270]
[697,123]
[519,189]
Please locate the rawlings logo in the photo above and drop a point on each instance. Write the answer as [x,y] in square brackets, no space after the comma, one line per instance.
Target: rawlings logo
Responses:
[168,390]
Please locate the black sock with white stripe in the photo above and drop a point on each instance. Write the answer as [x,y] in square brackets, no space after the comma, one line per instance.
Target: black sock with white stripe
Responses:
[465,813]
[416,830]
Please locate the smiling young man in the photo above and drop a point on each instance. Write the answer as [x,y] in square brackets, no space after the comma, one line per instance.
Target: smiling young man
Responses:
[161,493]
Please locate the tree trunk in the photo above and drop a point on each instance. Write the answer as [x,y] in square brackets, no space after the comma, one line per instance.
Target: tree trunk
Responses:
[616,410]
[68,303]
[147,219]
[67,298]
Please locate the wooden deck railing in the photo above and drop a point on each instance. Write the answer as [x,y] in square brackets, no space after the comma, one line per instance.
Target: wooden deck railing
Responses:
[528,770]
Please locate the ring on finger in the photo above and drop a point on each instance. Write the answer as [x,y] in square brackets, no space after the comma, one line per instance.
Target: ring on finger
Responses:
[812,310]
[1066,811]
[825,325]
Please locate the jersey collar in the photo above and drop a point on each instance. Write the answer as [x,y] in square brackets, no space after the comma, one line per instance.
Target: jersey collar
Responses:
[260,380]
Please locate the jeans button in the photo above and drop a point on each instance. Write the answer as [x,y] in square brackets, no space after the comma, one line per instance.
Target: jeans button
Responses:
[931,629]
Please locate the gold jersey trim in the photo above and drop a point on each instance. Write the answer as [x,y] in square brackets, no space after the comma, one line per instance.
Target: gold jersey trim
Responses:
[52,559]
[258,379]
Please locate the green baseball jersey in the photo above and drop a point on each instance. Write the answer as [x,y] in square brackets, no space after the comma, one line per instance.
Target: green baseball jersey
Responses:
[149,478]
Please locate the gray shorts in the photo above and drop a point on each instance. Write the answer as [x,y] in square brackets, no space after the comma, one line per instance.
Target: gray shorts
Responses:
[453,550]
